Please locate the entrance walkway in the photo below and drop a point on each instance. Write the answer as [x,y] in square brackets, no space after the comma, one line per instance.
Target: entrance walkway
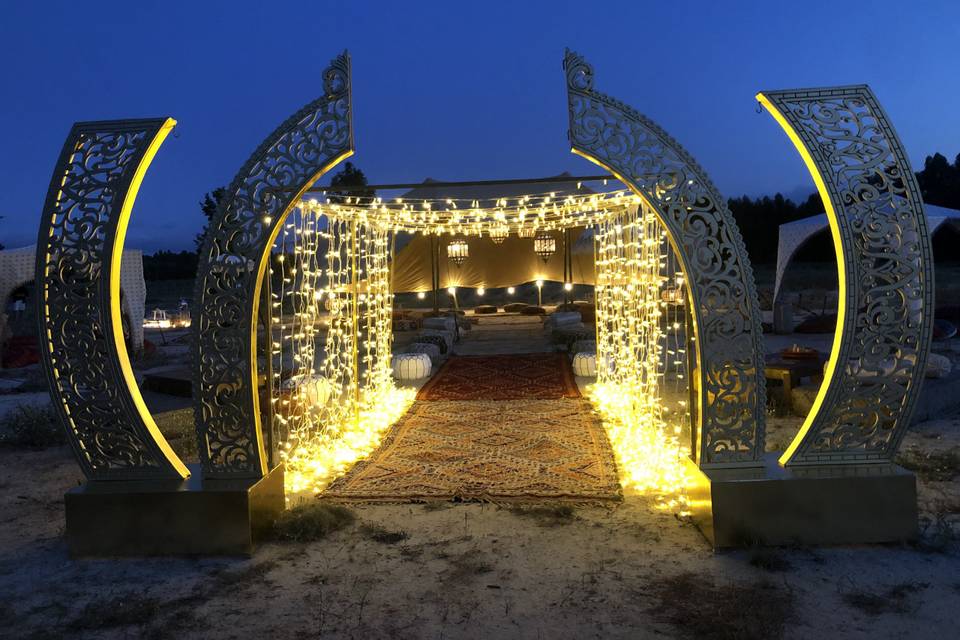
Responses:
[536,441]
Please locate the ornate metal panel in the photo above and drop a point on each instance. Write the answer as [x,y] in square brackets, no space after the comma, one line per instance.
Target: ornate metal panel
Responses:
[79,250]
[232,264]
[885,317]
[730,383]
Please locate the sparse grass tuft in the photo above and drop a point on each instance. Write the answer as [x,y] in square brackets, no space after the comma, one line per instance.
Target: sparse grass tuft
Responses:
[938,530]
[110,613]
[896,599]
[551,516]
[941,466]
[178,428]
[733,612]
[467,565]
[310,522]
[769,560]
[31,426]
[383,536]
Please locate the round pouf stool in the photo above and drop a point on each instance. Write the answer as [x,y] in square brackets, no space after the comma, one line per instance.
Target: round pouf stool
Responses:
[428,348]
[411,366]
[585,364]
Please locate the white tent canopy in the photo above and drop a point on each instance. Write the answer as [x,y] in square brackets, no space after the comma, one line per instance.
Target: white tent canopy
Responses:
[17,269]
[794,234]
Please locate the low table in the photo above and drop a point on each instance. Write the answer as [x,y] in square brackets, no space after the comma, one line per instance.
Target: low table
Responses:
[789,371]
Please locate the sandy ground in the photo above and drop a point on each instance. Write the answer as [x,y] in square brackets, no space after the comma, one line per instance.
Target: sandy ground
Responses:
[462,571]
[484,571]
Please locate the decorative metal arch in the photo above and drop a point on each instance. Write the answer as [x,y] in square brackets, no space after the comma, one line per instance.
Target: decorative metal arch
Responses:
[79,251]
[885,318]
[729,353]
[233,262]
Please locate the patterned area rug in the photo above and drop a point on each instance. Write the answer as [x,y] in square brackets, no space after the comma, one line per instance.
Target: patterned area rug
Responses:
[502,377]
[525,450]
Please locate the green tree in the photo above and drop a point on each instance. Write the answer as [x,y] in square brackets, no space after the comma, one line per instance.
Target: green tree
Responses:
[209,204]
[940,181]
[355,182]
[759,221]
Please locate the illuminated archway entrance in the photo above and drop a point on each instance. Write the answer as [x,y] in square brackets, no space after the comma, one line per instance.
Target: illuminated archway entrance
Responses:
[333,410]
[668,184]
[847,443]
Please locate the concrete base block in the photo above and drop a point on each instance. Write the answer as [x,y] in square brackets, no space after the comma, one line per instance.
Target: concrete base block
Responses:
[190,517]
[773,505]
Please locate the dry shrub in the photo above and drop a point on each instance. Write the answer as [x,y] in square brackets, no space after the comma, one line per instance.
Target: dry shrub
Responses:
[896,599]
[699,608]
[36,427]
[310,522]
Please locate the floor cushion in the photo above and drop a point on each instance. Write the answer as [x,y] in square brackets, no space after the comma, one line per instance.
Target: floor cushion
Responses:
[563,318]
[449,336]
[589,346]
[533,310]
[411,366]
[514,307]
[428,348]
[443,324]
[943,329]
[440,341]
[938,366]
[585,364]
[818,324]
[485,309]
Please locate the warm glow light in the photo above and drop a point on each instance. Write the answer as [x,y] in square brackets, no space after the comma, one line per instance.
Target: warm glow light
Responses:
[333,391]
[458,251]
[312,467]
[650,458]
[338,399]
[627,394]
[526,216]
[544,245]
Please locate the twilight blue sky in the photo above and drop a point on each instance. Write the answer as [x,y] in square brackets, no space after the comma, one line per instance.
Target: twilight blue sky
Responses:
[450,90]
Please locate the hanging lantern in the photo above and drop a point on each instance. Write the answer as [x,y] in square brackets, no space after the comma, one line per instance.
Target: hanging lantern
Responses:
[526,232]
[544,245]
[499,233]
[458,251]
[672,295]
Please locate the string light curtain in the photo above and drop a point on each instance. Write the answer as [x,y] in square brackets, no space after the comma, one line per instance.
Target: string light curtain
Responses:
[523,216]
[333,391]
[630,258]
[333,403]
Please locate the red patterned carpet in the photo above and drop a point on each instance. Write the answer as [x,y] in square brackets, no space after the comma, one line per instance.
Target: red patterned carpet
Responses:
[542,376]
[518,451]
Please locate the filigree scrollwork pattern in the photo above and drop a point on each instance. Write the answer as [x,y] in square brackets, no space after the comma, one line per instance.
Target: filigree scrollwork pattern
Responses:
[78,274]
[729,353]
[885,317]
[233,261]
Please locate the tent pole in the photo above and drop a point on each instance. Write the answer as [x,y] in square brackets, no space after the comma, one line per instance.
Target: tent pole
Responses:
[435,266]
[566,265]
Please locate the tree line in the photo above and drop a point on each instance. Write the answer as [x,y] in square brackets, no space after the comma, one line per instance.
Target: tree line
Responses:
[759,219]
